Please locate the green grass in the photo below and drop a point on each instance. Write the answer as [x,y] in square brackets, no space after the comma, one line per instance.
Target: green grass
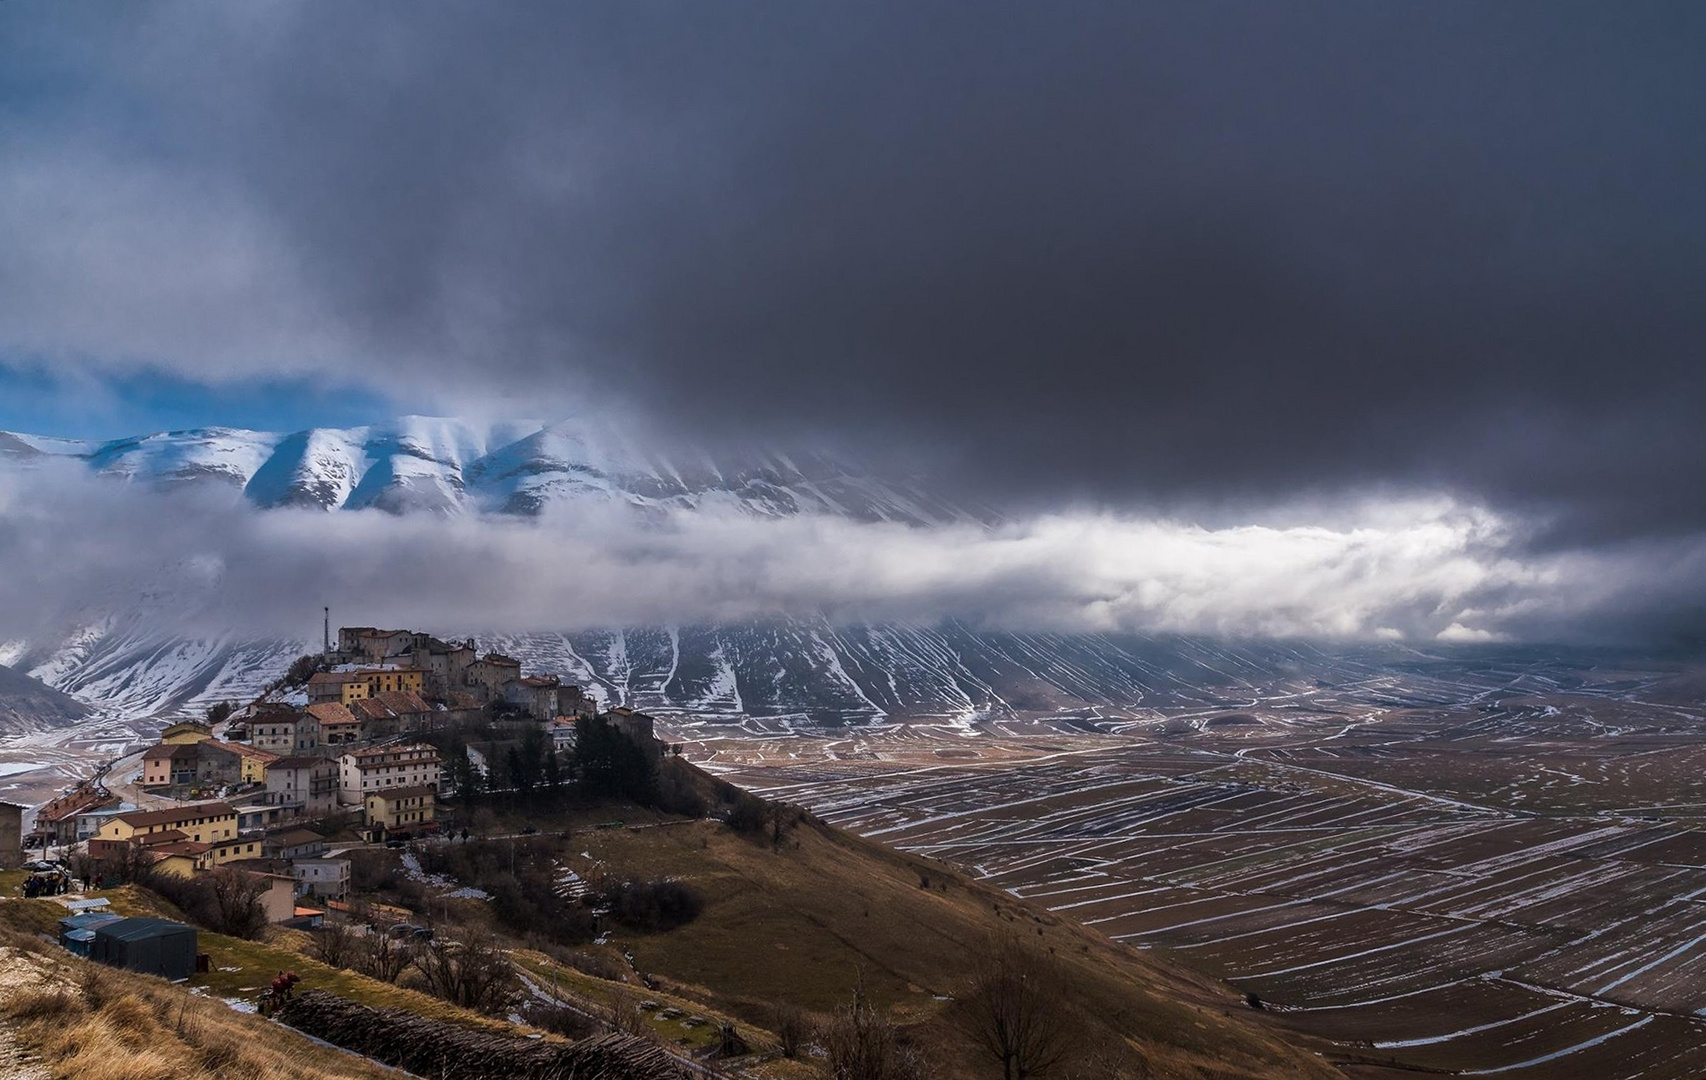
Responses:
[242,969]
[596,995]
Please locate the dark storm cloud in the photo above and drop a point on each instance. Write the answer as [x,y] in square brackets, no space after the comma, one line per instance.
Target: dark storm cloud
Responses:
[1190,255]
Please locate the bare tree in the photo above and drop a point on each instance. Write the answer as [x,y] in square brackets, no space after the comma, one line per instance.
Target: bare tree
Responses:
[336,944]
[474,974]
[384,957]
[623,1015]
[237,907]
[1014,1009]
[123,863]
[861,1044]
[789,1022]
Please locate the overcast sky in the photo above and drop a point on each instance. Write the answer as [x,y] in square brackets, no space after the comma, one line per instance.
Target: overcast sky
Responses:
[1216,262]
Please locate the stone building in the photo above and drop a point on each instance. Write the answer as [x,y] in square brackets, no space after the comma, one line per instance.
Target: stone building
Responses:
[11,836]
[486,677]
[338,725]
[308,781]
[538,694]
[378,768]
[283,730]
[205,763]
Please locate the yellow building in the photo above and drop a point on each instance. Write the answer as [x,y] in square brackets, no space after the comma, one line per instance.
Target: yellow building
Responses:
[187,732]
[238,847]
[356,684]
[410,808]
[200,823]
[254,762]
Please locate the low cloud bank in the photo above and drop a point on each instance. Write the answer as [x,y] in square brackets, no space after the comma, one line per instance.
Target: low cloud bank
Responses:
[1430,569]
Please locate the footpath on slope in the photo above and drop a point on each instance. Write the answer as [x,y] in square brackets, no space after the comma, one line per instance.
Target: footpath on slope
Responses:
[18,972]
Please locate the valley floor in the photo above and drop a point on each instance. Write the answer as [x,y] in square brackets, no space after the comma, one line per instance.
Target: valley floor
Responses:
[1509,888]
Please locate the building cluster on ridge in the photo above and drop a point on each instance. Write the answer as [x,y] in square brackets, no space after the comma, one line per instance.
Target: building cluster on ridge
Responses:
[265,789]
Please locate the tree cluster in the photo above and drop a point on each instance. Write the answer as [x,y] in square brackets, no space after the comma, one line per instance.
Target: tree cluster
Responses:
[860,1043]
[609,765]
[226,901]
[651,907]
[519,875]
[474,973]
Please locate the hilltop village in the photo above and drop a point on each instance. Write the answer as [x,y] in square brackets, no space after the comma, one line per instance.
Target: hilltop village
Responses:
[364,743]
[430,857]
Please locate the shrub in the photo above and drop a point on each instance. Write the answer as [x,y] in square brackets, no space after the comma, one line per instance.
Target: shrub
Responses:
[560,1020]
[749,815]
[653,906]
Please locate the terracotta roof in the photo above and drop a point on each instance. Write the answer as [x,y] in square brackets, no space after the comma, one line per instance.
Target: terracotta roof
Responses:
[381,751]
[331,712]
[164,836]
[371,709]
[189,811]
[170,750]
[241,750]
[500,660]
[306,761]
[403,701]
[406,792]
[76,802]
[182,847]
[293,837]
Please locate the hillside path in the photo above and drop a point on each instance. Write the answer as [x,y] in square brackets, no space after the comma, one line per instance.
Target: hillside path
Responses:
[18,972]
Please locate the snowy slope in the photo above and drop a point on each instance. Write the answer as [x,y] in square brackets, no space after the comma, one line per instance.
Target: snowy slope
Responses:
[448,466]
[793,671]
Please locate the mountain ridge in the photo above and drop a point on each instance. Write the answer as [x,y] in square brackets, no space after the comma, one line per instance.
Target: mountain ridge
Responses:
[27,702]
[450,466]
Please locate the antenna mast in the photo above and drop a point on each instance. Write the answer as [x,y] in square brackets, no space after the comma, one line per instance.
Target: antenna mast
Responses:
[328,629]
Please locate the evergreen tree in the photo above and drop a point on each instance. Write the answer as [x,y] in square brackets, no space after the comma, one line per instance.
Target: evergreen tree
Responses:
[610,765]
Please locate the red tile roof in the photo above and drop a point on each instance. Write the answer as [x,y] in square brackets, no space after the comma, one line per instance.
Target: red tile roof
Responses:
[407,792]
[143,819]
[331,712]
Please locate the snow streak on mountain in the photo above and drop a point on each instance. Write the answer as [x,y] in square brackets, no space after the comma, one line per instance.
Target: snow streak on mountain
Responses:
[453,466]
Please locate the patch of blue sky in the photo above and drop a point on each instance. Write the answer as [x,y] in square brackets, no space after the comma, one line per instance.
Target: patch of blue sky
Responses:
[41,401]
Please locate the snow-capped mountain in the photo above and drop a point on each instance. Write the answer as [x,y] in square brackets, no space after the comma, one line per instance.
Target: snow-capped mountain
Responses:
[453,466]
[123,657]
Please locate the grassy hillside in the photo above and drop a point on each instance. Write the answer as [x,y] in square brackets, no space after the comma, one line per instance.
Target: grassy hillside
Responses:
[807,921]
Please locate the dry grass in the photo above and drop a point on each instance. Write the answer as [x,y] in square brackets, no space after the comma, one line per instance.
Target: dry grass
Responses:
[91,1023]
[805,924]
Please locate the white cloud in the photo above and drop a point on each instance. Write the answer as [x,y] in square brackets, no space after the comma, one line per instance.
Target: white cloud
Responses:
[1458,634]
[1435,569]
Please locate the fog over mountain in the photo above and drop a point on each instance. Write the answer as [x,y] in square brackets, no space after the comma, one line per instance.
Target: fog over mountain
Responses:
[517,527]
